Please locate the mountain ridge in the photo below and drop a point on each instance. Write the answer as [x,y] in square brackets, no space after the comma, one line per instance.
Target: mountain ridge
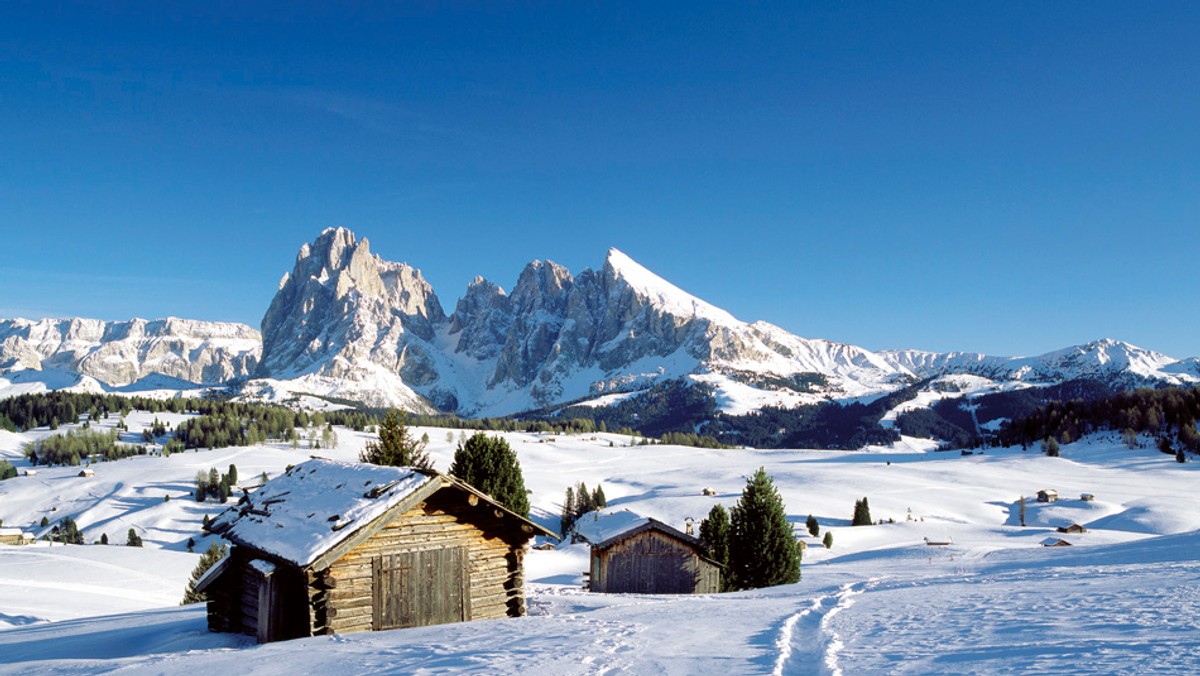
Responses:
[346,323]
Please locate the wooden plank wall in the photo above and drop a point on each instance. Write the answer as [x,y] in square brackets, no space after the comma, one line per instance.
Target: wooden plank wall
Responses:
[341,596]
[652,562]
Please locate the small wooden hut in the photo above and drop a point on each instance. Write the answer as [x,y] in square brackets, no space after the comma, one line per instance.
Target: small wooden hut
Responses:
[336,547]
[1055,542]
[640,555]
[1047,495]
[1073,528]
[15,536]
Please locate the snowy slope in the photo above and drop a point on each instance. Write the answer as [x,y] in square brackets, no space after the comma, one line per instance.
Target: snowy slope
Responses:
[879,601]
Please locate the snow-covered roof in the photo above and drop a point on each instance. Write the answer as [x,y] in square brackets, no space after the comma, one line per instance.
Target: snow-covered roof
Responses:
[603,527]
[602,524]
[309,509]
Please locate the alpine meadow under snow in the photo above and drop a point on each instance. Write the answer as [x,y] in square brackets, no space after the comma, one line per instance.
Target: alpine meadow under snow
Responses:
[1120,599]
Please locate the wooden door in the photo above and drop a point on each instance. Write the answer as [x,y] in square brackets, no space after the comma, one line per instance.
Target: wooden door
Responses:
[415,589]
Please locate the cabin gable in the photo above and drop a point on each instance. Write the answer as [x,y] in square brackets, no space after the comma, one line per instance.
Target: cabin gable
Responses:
[651,561]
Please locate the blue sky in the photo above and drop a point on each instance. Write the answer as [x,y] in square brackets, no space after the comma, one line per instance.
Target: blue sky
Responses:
[1008,178]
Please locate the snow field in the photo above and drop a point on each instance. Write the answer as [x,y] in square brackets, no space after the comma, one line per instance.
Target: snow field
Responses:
[880,600]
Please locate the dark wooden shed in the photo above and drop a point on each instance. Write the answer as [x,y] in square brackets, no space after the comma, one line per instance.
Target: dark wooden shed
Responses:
[336,547]
[649,557]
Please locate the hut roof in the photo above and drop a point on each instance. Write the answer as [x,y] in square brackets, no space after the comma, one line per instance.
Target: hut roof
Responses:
[1055,542]
[320,504]
[603,528]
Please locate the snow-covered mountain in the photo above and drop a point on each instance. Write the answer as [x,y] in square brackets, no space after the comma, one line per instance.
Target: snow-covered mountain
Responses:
[347,324]
[123,353]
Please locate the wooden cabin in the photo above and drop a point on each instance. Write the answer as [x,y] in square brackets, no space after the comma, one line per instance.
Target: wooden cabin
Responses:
[1047,495]
[336,547]
[640,555]
[1073,528]
[1055,542]
[939,542]
[1087,497]
[87,472]
[15,536]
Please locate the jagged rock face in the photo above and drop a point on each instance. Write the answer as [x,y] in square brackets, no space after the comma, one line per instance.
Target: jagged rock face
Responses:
[482,319]
[120,353]
[342,309]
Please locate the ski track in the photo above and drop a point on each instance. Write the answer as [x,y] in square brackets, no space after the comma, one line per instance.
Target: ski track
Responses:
[814,622]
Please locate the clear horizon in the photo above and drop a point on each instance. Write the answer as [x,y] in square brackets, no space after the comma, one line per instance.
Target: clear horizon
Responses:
[1009,179]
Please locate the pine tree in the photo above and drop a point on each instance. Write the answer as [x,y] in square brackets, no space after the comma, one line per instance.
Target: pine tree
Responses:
[233,477]
[828,541]
[814,528]
[490,464]
[214,482]
[201,485]
[583,500]
[598,499]
[396,446]
[762,547]
[207,560]
[104,538]
[714,533]
[133,539]
[568,511]
[1050,444]
[862,513]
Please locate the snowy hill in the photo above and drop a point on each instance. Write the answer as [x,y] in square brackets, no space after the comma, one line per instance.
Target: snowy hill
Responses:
[879,601]
[346,324]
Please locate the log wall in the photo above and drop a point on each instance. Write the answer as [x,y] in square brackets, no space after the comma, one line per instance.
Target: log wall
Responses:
[343,597]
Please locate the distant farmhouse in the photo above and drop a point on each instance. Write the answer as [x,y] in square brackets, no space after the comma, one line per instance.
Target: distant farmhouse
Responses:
[637,554]
[1047,495]
[15,536]
[1073,528]
[1055,542]
[335,547]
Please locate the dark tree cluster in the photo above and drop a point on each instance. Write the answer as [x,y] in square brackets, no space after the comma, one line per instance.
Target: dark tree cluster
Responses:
[76,446]
[1167,413]
[578,502]
[7,471]
[66,531]
[862,513]
[213,484]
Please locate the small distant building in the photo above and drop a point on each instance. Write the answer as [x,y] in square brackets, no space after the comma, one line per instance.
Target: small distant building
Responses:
[639,555]
[1047,495]
[1087,497]
[15,536]
[939,542]
[335,547]
[708,491]
[30,472]
[1055,542]
[1073,528]
[87,472]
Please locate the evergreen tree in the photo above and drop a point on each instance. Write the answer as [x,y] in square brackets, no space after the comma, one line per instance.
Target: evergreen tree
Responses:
[1179,457]
[45,522]
[233,477]
[598,499]
[714,533]
[762,547]
[133,539]
[814,528]
[828,541]
[214,482]
[396,446]
[583,500]
[104,538]
[207,560]
[201,485]
[1051,447]
[862,513]
[568,511]
[490,464]
[1021,510]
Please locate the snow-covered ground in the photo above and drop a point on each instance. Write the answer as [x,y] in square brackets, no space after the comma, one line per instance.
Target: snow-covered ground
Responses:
[1122,599]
